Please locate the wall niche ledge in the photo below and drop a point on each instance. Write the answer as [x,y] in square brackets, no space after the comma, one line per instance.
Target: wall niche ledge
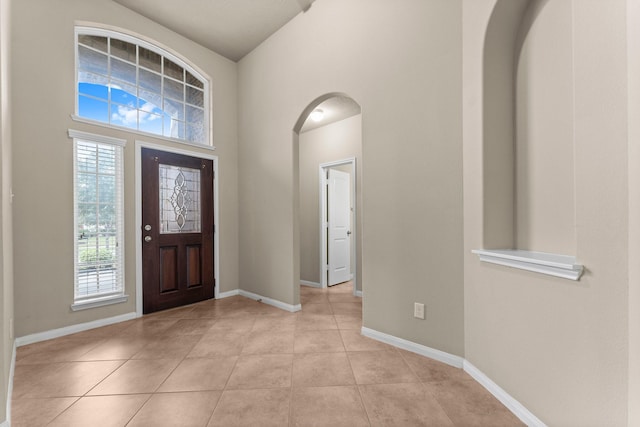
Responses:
[563,266]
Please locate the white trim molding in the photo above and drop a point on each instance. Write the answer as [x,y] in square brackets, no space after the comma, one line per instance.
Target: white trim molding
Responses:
[94,137]
[12,370]
[563,266]
[310,284]
[278,304]
[228,294]
[358,293]
[99,302]
[68,330]
[423,350]
[505,398]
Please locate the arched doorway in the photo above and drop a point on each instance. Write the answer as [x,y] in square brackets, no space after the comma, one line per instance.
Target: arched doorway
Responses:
[323,146]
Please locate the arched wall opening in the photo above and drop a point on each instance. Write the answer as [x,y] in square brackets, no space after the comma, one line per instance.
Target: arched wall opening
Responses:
[528,135]
[334,143]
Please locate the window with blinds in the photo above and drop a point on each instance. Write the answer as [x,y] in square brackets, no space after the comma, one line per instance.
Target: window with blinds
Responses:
[98,214]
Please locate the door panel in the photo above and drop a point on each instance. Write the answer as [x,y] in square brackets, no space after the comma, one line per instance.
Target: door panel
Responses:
[339,199]
[177,218]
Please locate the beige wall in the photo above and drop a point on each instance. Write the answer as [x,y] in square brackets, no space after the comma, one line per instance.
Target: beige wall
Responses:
[43,101]
[6,239]
[633,45]
[545,205]
[411,149]
[557,346]
[336,141]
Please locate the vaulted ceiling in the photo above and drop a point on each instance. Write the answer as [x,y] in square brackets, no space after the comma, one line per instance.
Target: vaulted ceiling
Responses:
[231,28]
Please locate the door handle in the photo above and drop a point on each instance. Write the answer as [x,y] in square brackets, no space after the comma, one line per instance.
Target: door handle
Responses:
[348,233]
[147,239]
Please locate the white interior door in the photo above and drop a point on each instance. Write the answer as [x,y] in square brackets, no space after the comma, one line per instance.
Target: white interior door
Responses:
[339,219]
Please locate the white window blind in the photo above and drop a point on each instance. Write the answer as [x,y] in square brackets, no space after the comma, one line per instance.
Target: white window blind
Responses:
[98,215]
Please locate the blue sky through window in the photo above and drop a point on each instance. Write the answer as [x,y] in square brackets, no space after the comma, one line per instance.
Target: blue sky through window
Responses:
[144,90]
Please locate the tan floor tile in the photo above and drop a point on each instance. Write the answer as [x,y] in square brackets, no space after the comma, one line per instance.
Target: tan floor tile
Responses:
[103,331]
[269,342]
[241,325]
[168,347]
[322,369]
[380,367]
[355,341]
[275,322]
[264,408]
[314,322]
[345,287]
[190,327]
[402,405]
[148,327]
[258,385]
[200,374]
[219,344]
[429,370]
[316,308]
[467,403]
[346,308]
[328,406]
[177,410]
[262,371]
[136,376]
[64,349]
[38,412]
[313,298]
[101,411]
[119,348]
[349,321]
[68,379]
[27,377]
[175,313]
[318,342]
[206,312]
[344,297]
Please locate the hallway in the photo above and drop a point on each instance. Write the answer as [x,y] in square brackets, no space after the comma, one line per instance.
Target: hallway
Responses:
[234,362]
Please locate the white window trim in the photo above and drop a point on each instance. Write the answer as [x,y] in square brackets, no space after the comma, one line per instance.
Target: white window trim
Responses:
[79,119]
[130,37]
[108,299]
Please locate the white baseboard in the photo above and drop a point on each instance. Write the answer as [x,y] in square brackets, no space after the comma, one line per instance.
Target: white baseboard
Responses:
[423,350]
[456,361]
[312,284]
[505,398]
[279,304]
[68,330]
[12,370]
[228,294]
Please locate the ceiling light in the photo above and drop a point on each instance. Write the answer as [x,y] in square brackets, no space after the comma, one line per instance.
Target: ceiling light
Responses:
[316,115]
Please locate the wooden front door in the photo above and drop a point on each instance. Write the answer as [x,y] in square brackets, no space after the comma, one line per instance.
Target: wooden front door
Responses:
[177,230]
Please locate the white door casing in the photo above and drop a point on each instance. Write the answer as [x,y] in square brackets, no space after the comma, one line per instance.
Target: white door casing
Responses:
[339,224]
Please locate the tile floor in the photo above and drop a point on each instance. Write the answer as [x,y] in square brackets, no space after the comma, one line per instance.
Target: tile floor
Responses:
[238,362]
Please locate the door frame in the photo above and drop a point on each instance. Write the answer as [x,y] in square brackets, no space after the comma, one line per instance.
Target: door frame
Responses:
[139,145]
[322,182]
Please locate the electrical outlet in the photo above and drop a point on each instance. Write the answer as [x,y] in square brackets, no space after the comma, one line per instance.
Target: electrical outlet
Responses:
[418,310]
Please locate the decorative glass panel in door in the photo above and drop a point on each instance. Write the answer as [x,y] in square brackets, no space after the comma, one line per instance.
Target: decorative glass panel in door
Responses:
[179,199]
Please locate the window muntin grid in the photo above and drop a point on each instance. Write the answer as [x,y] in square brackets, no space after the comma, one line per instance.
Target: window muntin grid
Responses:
[98,218]
[129,83]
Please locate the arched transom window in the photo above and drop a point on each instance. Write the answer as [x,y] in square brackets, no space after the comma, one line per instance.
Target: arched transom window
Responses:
[127,82]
